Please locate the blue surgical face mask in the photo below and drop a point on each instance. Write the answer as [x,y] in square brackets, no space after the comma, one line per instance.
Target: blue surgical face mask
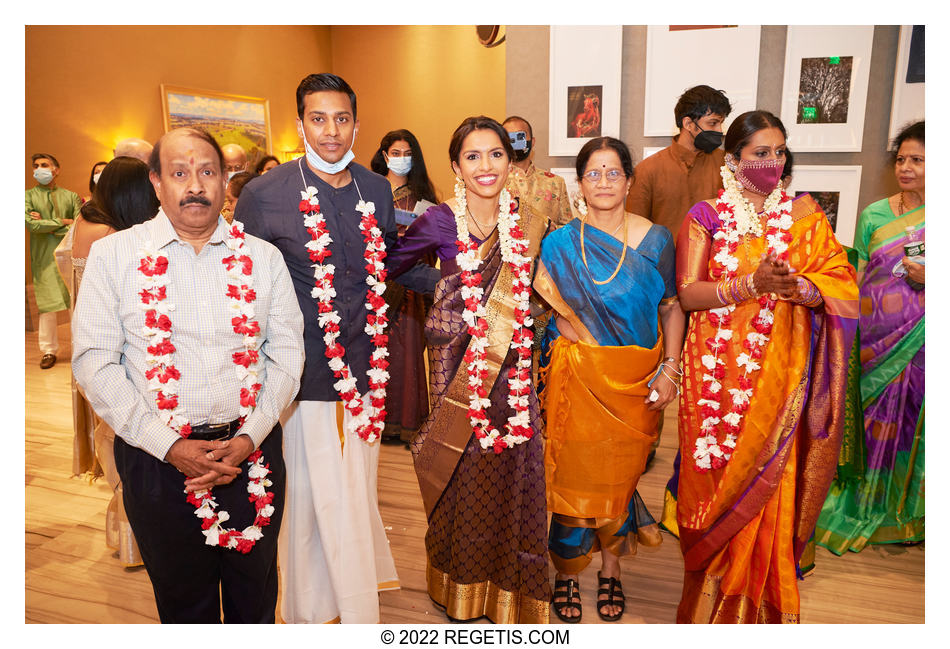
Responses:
[42,175]
[400,166]
[232,174]
[326,167]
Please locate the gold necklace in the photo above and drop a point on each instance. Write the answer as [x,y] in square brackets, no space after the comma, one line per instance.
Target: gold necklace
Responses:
[623,254]
[481,228]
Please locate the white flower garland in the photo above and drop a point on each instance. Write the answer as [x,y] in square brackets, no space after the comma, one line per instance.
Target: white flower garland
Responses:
[513,246]
[367,424]
[737,218]
[163,378]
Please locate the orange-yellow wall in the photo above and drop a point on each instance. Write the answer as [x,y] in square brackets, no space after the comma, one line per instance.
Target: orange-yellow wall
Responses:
[87,87]
[423,78]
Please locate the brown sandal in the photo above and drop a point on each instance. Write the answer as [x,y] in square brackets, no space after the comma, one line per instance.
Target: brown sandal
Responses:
[612,588]
[568,589]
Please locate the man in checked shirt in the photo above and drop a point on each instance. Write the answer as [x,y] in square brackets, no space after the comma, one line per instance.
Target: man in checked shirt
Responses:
[188,341]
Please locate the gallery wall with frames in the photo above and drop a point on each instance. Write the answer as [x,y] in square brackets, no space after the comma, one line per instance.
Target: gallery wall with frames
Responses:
[841,91]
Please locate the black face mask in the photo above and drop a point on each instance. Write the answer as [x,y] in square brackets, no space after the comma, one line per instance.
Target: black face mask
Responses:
[707,141]
[521,144]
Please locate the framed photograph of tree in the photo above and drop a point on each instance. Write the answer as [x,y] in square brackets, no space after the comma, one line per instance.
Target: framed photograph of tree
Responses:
[835,188]
[826,86]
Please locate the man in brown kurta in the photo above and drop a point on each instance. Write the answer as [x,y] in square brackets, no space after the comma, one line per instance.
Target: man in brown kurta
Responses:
[674,179]
[539,188]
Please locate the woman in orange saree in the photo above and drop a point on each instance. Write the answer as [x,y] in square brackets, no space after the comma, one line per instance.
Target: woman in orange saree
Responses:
[774,304]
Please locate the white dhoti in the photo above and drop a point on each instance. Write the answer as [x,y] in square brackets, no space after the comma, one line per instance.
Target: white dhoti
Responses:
[332,550]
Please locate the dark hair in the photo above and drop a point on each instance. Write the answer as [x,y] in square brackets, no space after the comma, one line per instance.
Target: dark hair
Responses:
[320,83]
[37,156]
[699,101]
[155,159]
[418,178]
[237,182]
[263,163]
[92,175]
[748,124]
[913,131]
[124,195]
[598,143]
[518,117]
[477,124]
[789,164]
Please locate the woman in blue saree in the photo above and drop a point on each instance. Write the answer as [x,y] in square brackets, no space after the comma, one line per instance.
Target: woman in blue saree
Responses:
[614,342]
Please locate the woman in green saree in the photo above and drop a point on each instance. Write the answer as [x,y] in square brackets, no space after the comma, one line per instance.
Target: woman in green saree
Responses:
[878,494]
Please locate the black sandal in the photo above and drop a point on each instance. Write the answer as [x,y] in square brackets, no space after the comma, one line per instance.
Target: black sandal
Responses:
[568,589]
[612,588]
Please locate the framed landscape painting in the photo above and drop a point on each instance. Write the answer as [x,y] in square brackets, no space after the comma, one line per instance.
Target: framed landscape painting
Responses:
[230,119]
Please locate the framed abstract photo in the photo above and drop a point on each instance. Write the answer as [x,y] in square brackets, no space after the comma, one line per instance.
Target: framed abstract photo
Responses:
[835,188]
[825,89]
[908,102]
[230,119]
[584,101]
[725,57]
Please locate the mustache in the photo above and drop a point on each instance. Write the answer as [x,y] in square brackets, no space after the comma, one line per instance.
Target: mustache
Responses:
[200,200]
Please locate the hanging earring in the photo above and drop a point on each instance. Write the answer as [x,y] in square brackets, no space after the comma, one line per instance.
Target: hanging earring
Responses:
[580,204]
[460,198]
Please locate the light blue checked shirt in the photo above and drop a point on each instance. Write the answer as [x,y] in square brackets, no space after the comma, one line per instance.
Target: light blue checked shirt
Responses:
[109,348]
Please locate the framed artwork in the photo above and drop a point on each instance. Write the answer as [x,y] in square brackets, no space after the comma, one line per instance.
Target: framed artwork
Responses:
[569,174]
[825,90]
[230,119]
[650,150]
[679,57]
[584,101]
[835,188]
[907,104]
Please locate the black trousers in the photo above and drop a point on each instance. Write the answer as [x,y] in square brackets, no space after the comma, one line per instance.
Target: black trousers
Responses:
[187,574]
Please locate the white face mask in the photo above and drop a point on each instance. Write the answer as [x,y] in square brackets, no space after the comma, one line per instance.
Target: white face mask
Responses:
[95,178]
[400,166]
[42,175]
[232,174]
[326,167]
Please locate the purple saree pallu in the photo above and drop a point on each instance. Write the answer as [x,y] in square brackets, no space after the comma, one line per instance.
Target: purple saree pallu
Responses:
[878,495]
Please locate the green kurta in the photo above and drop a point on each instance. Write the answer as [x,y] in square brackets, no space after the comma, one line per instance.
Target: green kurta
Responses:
[54,205]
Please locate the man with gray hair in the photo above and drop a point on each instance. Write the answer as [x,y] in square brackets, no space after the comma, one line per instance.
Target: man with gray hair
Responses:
[188,342]
[133,147]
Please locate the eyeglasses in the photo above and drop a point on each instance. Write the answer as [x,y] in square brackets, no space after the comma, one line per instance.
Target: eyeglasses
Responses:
[613,176]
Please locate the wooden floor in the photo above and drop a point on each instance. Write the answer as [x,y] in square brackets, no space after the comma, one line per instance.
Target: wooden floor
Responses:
[71,576]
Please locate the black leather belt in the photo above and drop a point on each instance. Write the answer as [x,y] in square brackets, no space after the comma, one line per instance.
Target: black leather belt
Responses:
[213,432]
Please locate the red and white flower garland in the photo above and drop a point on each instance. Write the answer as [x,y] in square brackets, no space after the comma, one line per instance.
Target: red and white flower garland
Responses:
[163,378]
[368,424]
[513,246]
[718,432]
